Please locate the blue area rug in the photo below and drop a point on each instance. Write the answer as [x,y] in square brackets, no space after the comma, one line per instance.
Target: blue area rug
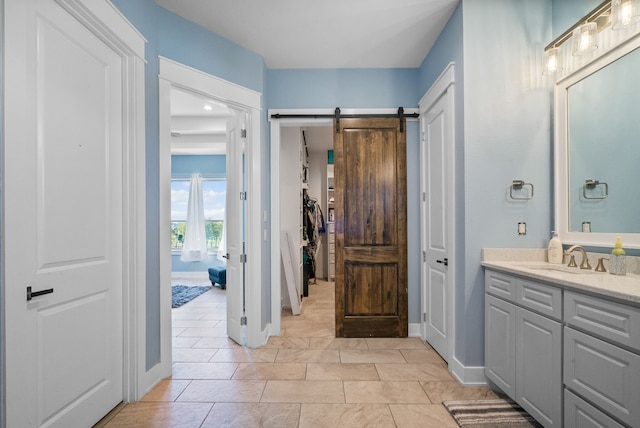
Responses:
[181,294]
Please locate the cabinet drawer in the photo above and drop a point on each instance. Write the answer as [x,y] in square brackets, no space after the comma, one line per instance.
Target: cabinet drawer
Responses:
[500,285]
[541,298]
[580,414]
[612,321]
[604,374]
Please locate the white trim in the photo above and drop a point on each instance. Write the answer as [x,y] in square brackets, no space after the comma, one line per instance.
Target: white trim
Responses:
[468,376]
[174,74]
[443,86]
[561,162]
[276,125]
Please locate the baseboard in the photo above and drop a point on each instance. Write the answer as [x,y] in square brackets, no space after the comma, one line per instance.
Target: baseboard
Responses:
[414,330]
[468,376]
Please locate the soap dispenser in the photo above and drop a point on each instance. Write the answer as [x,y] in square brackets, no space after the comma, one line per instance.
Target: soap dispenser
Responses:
[617,263]
[555,253]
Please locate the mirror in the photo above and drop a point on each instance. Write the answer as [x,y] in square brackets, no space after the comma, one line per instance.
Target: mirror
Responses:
[598,150]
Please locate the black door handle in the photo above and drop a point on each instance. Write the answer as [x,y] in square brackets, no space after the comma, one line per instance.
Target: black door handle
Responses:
[32,294]
[444,262]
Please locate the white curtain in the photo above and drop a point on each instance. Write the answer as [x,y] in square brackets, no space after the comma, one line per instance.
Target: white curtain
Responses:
[195,240]
[222,247]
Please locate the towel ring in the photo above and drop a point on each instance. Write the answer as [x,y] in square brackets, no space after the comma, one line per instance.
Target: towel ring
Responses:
[592,184]
[519,185]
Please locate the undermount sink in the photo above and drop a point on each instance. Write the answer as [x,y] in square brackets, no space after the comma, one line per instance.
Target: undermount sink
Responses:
[560,268]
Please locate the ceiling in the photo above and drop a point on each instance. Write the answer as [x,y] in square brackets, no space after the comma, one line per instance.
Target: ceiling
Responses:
[295,34]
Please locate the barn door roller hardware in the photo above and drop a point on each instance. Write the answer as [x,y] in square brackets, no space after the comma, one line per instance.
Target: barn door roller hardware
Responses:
[337,116]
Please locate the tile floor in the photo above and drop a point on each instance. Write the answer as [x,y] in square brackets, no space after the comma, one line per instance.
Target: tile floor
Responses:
[304,378]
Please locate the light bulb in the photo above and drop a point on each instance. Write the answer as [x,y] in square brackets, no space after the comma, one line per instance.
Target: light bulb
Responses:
[624,13]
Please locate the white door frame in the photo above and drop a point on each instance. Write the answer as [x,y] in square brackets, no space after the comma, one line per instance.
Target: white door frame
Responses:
[276,125]
[109,25]
[443,86]
[174,74]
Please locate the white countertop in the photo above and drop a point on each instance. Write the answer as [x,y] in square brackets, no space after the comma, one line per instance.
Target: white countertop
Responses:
[532,264]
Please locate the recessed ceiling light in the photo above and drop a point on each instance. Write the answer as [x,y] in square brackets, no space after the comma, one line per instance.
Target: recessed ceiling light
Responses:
[208,107]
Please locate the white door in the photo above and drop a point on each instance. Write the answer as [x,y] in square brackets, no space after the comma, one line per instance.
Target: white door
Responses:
[234,228]
[62,219]
[435,123]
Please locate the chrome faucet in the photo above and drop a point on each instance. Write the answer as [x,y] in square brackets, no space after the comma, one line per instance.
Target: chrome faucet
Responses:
[584,264]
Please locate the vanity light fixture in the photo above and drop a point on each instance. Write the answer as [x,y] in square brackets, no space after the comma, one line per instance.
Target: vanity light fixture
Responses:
[583,34]
[624,13]
[552,62]
[584,38]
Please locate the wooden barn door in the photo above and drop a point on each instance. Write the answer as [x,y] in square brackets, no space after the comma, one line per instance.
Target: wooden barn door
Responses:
[371,228]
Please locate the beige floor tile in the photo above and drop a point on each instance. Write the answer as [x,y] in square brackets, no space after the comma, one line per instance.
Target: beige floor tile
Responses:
[396,343]
[245,355]
[384,392]
[422,356]
[303,391]
[203,332]
[271,371]
[203,370]
[288,342]
[236,415]
[167,390]
[185,316]
[417,372]
[190,355]
[345,415]
[371,356]
[195,323]
[176,331]
[215,343]
[103,422]
[161,415]
[296,331]
[443,391]
[308,356]
[336,371]
[183,342]
[338,343]
[422,415]
[223,391]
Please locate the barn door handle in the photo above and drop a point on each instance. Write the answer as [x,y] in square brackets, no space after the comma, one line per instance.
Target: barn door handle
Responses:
[32,294]
[444,262]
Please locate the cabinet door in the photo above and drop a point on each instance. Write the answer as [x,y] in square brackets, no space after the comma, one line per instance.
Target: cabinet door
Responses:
[539,367]
[604,374]
[499,344]
[580,414]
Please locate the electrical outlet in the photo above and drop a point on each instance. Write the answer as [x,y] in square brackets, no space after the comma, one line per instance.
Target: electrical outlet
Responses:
[522,228]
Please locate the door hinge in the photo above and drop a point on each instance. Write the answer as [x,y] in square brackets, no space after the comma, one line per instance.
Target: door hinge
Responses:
[243,196]
[243,320]
[424,196]
[424,256]
[243,133]
[424,317]
[243,258]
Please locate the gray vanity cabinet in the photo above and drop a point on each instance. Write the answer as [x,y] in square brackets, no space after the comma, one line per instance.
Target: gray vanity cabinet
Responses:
[602,355]
[523,344]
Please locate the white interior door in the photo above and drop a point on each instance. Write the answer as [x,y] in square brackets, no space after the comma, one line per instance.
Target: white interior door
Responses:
[62,219]
[436,221]
[234,228]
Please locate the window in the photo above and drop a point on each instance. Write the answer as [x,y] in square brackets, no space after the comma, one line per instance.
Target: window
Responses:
[214,194]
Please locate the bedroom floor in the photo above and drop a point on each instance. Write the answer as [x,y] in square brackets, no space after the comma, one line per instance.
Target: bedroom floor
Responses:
[304,378]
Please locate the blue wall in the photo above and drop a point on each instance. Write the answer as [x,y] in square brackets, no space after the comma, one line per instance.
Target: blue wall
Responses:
[209,166]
